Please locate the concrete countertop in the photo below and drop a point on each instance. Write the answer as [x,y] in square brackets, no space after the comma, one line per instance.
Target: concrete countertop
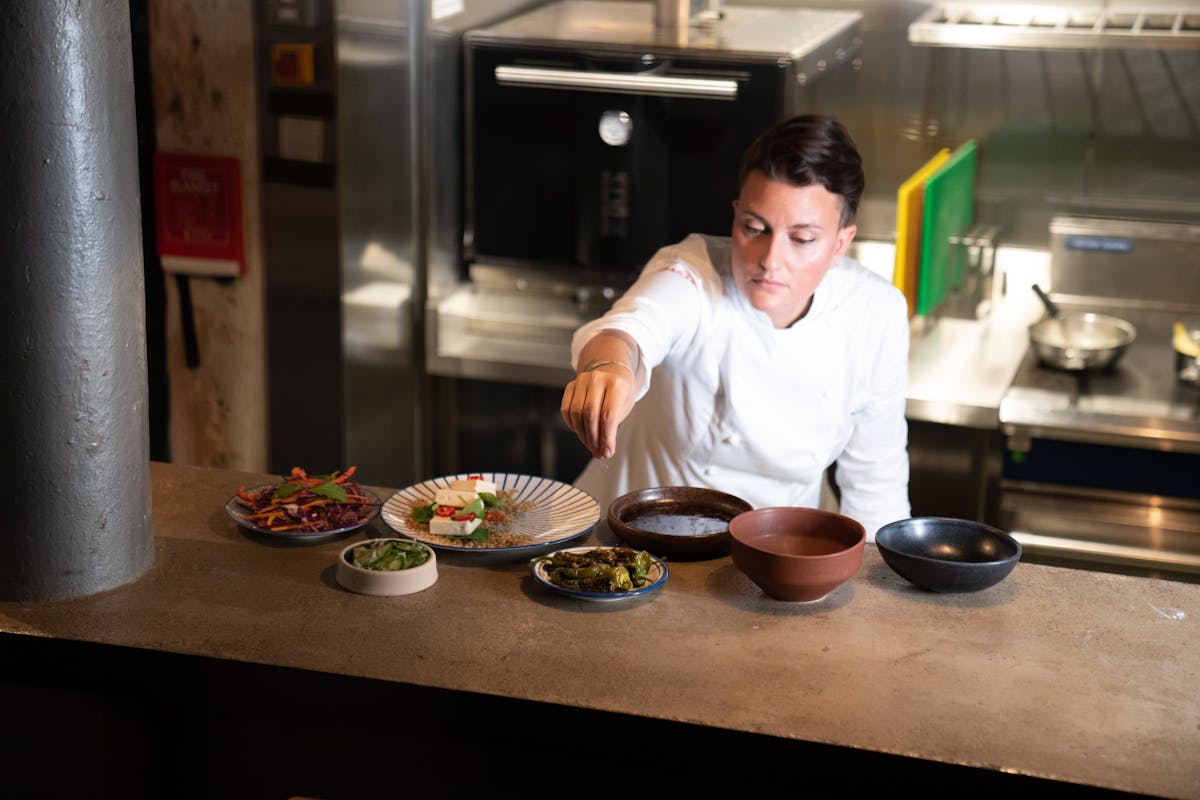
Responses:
[1083,677]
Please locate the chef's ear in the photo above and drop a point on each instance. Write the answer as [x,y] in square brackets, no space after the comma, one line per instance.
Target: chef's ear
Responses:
[845,236]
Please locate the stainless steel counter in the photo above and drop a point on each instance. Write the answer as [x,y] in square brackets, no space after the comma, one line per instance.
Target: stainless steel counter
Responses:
[1139,403]
[517,338]
[959,369]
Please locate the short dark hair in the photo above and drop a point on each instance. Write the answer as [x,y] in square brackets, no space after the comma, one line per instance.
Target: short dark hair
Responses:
[808,150]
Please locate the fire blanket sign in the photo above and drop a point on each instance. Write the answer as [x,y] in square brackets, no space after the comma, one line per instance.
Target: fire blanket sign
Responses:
[198,214]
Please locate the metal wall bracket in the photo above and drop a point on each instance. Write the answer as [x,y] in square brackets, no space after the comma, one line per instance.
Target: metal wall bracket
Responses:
[971,297]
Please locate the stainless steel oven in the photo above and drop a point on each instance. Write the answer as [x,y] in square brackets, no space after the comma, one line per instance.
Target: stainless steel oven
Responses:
[592,137]
[591,141]
[1103,467]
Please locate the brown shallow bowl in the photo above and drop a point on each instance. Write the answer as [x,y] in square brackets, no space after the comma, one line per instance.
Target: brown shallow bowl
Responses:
[796,554]
[679,521]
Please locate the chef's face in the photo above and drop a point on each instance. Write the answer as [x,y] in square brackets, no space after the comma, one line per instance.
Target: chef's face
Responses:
[785,238]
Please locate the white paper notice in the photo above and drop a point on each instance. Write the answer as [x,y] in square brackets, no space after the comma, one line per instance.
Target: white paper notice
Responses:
[302,138]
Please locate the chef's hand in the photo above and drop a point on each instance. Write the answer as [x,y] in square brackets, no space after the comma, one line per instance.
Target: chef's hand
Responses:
[595,403]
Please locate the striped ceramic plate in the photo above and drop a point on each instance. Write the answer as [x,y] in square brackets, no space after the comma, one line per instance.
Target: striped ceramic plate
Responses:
[556,512]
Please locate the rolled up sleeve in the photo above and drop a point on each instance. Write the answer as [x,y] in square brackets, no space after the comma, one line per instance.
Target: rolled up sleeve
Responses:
[661,311]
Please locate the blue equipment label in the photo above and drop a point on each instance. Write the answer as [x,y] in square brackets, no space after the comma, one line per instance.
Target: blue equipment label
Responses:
[1107,244]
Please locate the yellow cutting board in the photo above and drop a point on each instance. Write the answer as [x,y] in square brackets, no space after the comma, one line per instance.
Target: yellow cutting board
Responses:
[910,209]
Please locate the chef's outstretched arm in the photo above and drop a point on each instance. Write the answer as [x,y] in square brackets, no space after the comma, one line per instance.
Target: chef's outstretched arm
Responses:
[602,394]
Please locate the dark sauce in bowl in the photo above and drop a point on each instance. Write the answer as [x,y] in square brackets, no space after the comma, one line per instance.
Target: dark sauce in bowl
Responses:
[676,521]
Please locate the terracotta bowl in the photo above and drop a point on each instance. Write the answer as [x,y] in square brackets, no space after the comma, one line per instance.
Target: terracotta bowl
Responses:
[797,554]
[681,521]
[943,554]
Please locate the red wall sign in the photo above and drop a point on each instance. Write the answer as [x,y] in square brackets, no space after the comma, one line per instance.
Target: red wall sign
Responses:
[198,211]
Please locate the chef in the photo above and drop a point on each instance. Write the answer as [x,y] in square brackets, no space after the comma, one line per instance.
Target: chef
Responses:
[751,363]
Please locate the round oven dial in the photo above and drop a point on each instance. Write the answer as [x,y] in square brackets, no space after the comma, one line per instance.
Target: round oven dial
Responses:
[616,127]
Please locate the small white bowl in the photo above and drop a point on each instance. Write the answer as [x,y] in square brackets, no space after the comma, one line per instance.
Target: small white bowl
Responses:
[385,582]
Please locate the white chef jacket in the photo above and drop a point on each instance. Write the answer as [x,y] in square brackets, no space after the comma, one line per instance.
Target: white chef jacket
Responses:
[729,402]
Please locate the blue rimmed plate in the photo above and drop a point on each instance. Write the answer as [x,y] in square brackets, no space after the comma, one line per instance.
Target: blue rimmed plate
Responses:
[657,574]
[557,512]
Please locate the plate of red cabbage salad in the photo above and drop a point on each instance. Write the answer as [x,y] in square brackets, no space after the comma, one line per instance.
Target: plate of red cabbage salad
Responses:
[305,506]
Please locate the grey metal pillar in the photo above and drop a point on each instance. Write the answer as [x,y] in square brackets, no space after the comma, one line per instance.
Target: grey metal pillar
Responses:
[75,470]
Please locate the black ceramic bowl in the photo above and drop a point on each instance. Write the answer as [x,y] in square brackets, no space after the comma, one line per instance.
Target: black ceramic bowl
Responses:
[679,521]
[948,555]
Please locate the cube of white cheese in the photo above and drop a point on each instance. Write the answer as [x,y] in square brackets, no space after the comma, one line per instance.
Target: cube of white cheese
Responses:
[448,526]
[454,497]
[473,485]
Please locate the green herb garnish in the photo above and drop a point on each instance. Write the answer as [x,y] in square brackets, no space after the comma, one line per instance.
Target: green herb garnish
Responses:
[424,513]
[287,490]
[480,534]
[331,490]
[491,500]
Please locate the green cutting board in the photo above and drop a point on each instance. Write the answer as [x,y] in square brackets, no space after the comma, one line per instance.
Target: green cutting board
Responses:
[949,210]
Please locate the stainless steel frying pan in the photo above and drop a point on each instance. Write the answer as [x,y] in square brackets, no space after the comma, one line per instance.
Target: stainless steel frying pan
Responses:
[1079,340]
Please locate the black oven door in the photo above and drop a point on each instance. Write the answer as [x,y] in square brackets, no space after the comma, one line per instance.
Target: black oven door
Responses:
[594,161]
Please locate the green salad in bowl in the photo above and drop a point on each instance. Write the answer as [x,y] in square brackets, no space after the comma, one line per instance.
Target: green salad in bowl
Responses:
[389,554]
[387,567]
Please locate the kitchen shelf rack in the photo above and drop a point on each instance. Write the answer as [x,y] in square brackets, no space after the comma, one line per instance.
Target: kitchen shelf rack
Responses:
[1020,26]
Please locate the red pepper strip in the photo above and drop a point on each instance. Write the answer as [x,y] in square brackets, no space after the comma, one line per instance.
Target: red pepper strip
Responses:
[474,477]
[463,517]
[445,511]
